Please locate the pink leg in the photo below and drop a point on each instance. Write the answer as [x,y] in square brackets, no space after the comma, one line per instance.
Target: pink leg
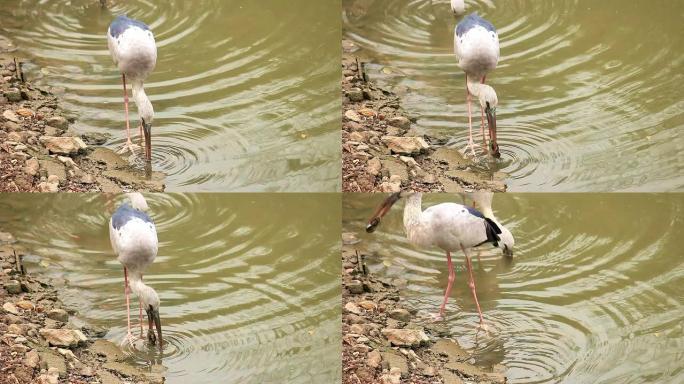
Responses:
[141,317]
[470,120]
[452,276]
[471,283]
[128,126]
[482,125]
[128,303]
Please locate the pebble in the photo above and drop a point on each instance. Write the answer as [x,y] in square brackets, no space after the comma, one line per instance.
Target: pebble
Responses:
[400,314]
[374,359]
[355,287]
[353,116]
[405,145]
[13,287]
[31,359]
[25,305]
[400,122]
[10,308]
[374,166]
[355,94]
[58,315]
[13,95]
[11,116]
[58,122]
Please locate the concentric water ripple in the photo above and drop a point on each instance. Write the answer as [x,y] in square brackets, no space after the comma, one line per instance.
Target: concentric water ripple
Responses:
[595,292]
[246,296]
[587,103]
[245,93]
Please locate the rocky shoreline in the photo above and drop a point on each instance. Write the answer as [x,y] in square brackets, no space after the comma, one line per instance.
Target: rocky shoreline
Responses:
[382,342]
[382,152]
[40,153]
[40,342]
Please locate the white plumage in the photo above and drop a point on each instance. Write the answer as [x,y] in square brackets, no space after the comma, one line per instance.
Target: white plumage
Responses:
[450,227]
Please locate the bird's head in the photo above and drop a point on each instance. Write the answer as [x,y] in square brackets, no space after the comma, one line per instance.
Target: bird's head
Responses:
[489,101]
[382,210]
[138,201]
[458,7]
[146,112]
[507,241]
[150,301]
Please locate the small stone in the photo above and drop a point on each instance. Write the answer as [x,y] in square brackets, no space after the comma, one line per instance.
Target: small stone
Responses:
[95,138]
[357,136]
[25,305]
[368,305]
[353,116]
[355,287]
[355,94]
[374,166]
[68,161]
[58,315]
[400,314]
[374,359]
[31,359]
[15,329]
[58,122]
[368,112]
[405,337]
[391,359]
[13,287]
[13,95]
[400,122]
[352,308]
[10,308]
[393,377]
[25,112]
[62,337]
[358,329]
[10,115]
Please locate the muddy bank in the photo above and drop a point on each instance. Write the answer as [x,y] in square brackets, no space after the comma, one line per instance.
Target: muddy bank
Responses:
[383,341]
[40,153]
[41,341]
[383,152]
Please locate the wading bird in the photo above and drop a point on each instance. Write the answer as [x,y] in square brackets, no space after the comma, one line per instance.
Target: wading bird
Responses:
[450,227]
[134,239]
[476,45]
[132,46]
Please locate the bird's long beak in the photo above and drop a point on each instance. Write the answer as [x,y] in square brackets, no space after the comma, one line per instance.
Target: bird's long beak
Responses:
[382,211]
[153,317]
[491,122]
[147,129]
[507,252]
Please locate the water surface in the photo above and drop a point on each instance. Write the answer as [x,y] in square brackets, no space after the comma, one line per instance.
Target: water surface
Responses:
[589,92]
[246,93]
[249,284]
[595,293]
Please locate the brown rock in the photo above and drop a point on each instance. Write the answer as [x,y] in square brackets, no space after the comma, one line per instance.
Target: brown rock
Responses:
[62,337]
[405,337]
[405,145]
[63,145]
[374,359]
[31,359]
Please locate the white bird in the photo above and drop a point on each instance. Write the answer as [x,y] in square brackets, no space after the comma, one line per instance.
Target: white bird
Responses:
[450,227]
[476,45]
[458,6]
[134,51]
[134,239]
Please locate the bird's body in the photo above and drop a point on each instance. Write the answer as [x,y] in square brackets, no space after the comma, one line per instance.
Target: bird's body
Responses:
[450,227]
[133,236]
[476,45]
[134,51]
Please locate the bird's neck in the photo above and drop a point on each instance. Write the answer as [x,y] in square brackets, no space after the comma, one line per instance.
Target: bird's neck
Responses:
[412,211]
[475,88]
[143,102]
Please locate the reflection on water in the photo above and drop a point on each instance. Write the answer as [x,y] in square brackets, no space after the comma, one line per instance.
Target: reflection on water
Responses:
[249,284]
[595,292]
[589,97]
[245,93]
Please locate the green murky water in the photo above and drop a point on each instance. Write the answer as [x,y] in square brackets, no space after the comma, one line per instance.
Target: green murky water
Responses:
[595,293]
[249,284]
[590,95]
[246,93]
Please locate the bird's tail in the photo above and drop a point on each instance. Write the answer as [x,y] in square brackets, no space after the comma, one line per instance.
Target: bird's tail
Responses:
[493,231]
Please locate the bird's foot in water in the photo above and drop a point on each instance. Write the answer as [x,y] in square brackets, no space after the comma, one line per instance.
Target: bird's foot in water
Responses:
[471,146]
[128,339]
[134,149]
[436,317]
